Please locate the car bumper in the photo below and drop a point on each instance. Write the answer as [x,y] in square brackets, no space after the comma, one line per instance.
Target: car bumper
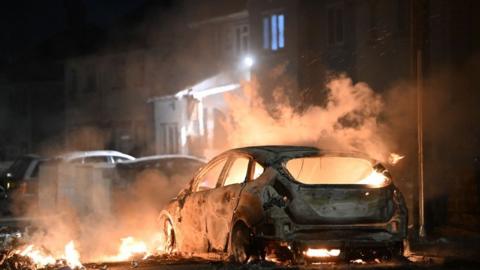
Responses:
[350,244]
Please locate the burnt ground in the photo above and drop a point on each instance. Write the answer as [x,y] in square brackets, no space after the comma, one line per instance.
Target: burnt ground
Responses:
[453,249]
[460,253]
[436,263]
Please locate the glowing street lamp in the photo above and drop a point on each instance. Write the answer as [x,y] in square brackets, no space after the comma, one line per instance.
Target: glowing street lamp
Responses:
[248,61]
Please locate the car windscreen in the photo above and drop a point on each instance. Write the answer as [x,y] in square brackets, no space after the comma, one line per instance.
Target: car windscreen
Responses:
[334,170]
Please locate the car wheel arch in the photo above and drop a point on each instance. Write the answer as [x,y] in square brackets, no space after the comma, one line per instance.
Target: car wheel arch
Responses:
[229,248]
[165,216]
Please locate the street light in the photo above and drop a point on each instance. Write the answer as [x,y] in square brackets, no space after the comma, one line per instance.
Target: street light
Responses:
[248,61]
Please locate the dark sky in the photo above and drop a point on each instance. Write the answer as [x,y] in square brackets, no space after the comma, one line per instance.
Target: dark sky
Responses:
[25,23]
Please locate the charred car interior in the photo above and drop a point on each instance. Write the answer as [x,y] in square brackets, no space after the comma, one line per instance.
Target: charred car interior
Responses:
[288,204]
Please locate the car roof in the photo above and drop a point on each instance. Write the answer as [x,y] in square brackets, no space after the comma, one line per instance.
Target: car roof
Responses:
[80,154]
[268,154]
[163,157]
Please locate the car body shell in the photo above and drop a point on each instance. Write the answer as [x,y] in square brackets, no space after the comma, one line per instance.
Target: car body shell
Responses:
[285,217]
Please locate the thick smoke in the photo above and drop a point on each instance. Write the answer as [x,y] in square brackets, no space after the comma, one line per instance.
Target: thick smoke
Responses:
[100,216]
[349,120]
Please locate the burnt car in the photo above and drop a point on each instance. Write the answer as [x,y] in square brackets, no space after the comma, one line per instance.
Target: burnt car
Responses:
[288,203]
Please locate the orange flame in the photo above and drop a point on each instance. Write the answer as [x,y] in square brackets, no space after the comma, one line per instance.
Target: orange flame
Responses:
[375,179]
[41,260]
[130,247]
[72,256]
[322,252]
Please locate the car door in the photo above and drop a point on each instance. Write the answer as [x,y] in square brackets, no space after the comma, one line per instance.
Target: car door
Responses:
[222,201]
[192,214]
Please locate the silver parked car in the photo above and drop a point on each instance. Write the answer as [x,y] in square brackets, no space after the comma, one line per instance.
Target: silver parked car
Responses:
[288,203]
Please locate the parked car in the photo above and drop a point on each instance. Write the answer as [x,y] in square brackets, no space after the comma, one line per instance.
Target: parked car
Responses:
[20,180]
[19,183]
[288,203]
[155,180]
[97,156]
[168,165]
[22,174]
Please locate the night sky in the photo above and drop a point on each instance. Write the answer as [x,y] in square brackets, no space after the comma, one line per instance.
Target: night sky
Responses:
[25,23]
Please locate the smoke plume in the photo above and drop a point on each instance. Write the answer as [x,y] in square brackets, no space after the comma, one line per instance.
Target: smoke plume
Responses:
[349,120]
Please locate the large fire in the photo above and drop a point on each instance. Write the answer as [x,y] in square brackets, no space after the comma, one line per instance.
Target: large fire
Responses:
[129,249]
[41,259]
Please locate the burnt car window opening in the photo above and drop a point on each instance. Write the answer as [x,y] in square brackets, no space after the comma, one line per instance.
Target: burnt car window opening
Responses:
[210,177]
[334,170]
[238,171]
[257,170]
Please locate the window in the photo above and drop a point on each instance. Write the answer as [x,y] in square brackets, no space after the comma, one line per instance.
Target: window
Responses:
[209,178]
[257,170]
[36,169]
[97,159]
[237,172]
[274,32]
[169,138]
[119,159]
[335,24]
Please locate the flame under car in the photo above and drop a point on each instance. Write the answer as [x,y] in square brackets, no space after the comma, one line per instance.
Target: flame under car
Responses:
[288,203]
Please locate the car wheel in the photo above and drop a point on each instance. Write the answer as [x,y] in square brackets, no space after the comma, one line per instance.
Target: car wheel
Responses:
[169,233]
[241,243]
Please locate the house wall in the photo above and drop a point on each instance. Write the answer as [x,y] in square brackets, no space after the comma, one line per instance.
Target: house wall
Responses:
[108,93]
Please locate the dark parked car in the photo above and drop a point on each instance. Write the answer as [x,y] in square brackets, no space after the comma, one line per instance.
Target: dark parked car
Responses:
[20,183]
[21,176]
[288,203]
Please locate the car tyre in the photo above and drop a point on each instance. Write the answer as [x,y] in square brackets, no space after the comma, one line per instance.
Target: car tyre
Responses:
[241,243]
[397,251]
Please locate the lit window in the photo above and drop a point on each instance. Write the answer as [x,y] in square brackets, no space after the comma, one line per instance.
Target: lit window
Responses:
[274,32]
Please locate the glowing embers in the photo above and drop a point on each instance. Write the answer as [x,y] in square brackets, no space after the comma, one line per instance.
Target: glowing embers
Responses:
[321,253]
[394,158]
